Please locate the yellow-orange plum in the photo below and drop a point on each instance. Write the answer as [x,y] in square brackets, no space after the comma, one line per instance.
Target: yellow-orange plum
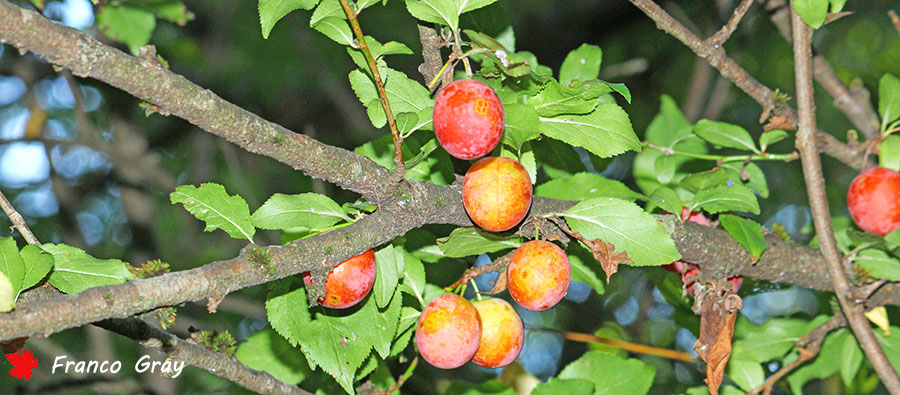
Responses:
[448,331]
[349,282]
[538,275]
[497,193]
[502,333]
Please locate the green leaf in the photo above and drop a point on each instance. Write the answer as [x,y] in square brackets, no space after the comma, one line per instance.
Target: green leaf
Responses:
[404,95]
[893,238]
[837,5]
[668,200]
[725,135]
[631,375]
[443,12]
[470,5]
[578,98]
[37,265]
[889,152]
[308,210]
[813,12]
[770,341]
[585,185]
[851,361]
[327,9]
[492,387]
[336,29]
[746,232]
[625,225]
[581,272]
[11,264]
[668,129]
[521,124]
[725,198]
[75,271]
[771,137]
[665,167]
[464,242]
[621,89]
[211,204]
[697,182]
[7,295]
[130,25]
[267,351]
[828,362]
[756,181]
[271,11]
[888,99]
[564,386]
[606,132]
[171,10]
[878,264]
[382,323]
[414,276]
[582,64]
[390,262]
[746,374]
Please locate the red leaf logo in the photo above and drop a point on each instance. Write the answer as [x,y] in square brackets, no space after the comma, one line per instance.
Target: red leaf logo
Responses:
[23,364]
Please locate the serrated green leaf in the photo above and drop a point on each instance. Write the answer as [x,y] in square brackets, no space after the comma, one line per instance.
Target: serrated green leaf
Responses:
[382,321]
[725,135]
[443,12]
[581,272]
[813,12]
[667,199]
[771,137]
[401,342]
[581,64]
[851,361]
[308,210]
[129,25]
[336,29]
[267,351]
[625,225]
[725,198]
[632,376]
[465,6]
[888,99]
[75,271]
[746,232]
[605,132]
[390,263]
[579,98]
[889,152]
[271,11]
[621,89]
[878,264]
[7,294]
[11,264]
[37,265]
[327,9]
[585,185]
[557,386]
[521,124]
[211,204]
[746,374]
[404,95]
[464,242]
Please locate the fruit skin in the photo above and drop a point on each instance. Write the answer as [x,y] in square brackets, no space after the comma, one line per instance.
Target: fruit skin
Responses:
[349,282]
[502,333]
[448,331]
[874,200]
[468,119]
[538,275]
[497,193]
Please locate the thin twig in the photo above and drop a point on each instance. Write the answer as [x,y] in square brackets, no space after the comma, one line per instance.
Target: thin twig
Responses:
[815,187]
[725,32]
[725,158]
[497,266]
[379,84]
[17,220]
[895,20]
[628,346]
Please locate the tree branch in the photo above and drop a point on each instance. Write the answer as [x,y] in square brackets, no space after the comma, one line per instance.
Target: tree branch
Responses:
[17,220]
[818,202]
[718,39]
[716,56]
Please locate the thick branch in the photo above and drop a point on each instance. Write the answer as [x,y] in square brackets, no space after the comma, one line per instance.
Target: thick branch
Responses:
[818,202]
[851,156]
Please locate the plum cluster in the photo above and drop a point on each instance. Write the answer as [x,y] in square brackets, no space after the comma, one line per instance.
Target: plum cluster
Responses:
[496,193]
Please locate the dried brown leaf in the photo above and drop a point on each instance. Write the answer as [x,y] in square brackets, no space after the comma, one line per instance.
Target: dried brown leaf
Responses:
[718,312]
[606,255]
[779,122]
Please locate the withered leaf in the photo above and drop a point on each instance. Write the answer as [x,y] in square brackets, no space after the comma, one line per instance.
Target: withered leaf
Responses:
[718,312]
[606,255]
[778,122]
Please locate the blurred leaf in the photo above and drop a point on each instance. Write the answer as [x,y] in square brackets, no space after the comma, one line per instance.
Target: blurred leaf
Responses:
[606,132]
[725,135]
[75,271]
[581,272]
[11,264]
[211,204]
[770,341]
[851,361]
[746,232]
[837,5]
[668,129]
[267,351]
[889,152]
[878,264]
[585,185]
[271,11]
[888,98]
[171,10]
[665,167]
[492,387]
[632,376]
[725,198]
[37,265]
[309,210]
[746,374]
[7,295]
[771,137]
[697,182]
[582,64]
[132,26]
[390,262]
[625,225]
[668,200]
[564,386]
[579,98]
[813,12]
[827,363]
[336,29]
[521,124]
[464,242]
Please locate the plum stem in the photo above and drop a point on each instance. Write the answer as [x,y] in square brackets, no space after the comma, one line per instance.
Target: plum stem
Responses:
[475,287]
